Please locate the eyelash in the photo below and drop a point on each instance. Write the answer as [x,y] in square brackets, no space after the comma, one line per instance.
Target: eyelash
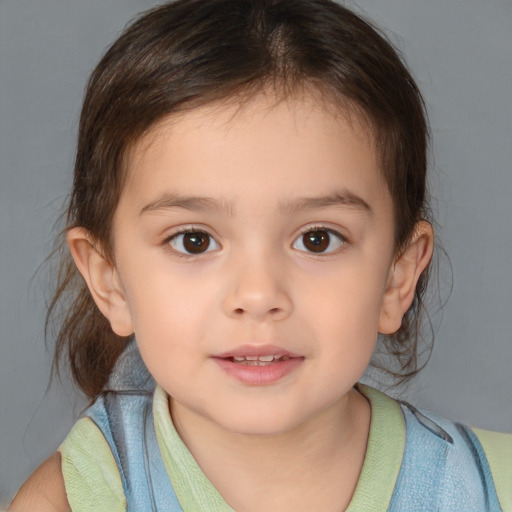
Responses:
[320,229]
[189,230]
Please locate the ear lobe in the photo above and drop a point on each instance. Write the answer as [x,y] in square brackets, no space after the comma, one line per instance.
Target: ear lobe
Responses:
[102,280]
[404,276]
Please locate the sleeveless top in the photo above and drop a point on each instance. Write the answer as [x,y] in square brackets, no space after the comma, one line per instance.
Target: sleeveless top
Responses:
[124,454]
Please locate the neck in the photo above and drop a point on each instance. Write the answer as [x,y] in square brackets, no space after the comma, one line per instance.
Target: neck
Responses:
[314,466]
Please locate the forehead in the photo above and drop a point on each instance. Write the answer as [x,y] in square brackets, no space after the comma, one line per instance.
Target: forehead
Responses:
[247,106]
[300,144]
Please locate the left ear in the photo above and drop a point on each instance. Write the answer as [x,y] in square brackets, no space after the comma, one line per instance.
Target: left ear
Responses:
[403,277]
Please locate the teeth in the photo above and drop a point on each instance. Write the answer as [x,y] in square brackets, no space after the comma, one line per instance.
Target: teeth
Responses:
[263,359]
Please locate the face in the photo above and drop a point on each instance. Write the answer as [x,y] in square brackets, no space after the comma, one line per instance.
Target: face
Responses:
[253,248]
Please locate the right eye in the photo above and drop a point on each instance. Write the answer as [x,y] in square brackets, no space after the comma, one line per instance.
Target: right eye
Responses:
[193,242]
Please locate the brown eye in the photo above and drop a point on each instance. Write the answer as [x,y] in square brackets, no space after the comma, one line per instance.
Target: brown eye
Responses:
[193,242]
[316,241]
[196,242]
[319,241]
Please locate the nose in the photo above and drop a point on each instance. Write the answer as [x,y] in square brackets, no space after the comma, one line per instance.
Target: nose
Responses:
[258,289]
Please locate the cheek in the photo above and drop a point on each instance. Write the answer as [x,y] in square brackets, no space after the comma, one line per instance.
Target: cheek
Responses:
[345,309]
[350,289]
[160,296]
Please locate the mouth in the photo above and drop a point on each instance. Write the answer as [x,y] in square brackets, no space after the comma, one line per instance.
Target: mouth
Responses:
[258,366]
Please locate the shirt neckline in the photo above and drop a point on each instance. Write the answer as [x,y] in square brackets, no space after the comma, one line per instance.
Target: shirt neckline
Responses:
[374,489]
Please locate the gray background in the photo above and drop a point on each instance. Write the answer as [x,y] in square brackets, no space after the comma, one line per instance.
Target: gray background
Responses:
[461,53]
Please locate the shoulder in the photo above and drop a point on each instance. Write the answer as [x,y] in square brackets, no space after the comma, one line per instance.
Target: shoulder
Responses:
[44,490]
[104,456]
[464,466]
[90,472]
[498,451]
[442,465]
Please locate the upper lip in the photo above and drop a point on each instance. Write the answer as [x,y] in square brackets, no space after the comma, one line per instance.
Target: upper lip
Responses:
[257,351]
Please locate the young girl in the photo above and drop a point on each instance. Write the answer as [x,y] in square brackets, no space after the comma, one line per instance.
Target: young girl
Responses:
[248,214]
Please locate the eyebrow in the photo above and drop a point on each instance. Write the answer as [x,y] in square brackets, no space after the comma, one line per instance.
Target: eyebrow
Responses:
[192,203]
[344,199]
[211,205]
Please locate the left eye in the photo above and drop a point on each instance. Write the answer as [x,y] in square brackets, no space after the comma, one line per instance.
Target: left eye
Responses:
[319,241]
[193,242]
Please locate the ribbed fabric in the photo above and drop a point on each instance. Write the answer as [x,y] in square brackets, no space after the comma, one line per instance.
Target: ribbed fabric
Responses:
[498,449]
[90,472]
[193,489]
[383,457]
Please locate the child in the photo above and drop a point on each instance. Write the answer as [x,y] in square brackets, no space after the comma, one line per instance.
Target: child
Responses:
[248,213]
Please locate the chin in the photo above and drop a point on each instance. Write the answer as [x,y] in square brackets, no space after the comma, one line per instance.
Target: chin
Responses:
[260,425]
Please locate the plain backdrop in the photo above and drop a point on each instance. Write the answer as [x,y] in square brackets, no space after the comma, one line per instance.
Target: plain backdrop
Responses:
[460,51]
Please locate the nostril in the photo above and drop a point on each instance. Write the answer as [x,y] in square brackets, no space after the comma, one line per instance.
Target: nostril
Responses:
[238,311]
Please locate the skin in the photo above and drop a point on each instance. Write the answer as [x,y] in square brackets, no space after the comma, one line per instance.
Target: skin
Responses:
[44,491]
[256,182]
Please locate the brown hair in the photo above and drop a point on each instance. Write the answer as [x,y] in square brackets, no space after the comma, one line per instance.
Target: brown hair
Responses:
[192,52]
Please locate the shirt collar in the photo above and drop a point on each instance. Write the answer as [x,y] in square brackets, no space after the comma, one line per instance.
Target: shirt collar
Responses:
[376,483]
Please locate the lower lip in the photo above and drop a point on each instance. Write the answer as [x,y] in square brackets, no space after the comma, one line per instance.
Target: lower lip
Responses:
[259,375]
